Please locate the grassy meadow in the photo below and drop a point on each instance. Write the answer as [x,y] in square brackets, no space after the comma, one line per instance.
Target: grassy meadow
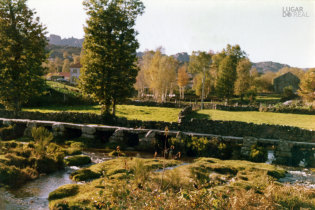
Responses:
[146,113]
[297,120]
[131,112]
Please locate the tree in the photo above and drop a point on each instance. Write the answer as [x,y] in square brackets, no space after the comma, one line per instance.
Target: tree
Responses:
[296,71]
[307,86]
[182,80]
[200,62]
[264,83]
[142,80]
[226,78]
[109,59]
[198,84]
[242,82]
[66,66]
[161,75]
[22,41]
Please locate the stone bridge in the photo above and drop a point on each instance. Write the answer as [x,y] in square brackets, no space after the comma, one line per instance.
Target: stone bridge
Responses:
[144,139]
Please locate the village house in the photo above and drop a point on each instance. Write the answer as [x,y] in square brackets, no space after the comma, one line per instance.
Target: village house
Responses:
[286,80]
[75,72]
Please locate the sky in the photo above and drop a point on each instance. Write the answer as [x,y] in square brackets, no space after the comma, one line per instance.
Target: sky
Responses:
[258,26]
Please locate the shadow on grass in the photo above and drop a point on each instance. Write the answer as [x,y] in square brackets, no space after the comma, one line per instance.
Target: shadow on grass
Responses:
[199,116]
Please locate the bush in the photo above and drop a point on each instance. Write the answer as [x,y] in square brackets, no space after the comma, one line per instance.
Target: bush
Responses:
[77,160]
[17,161]
[42,137]
[11,175]
[202,147]
[46,165]
[64,191]
[288,94]
[11,132]
[258,154]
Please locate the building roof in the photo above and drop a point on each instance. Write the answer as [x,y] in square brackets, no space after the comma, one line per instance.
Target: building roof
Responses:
[286,75]
[65,74]
[76,65]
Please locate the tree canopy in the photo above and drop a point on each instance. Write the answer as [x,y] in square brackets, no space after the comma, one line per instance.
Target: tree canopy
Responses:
[22,52]
[109,50]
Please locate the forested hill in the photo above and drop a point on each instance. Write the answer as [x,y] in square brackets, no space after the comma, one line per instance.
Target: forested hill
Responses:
[262,67]
[58,45]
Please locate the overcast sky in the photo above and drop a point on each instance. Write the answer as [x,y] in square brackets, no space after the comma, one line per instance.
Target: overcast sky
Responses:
[258,26]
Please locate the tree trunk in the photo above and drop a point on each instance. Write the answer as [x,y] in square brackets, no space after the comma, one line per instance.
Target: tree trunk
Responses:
[203,88]
[17,107]
[183,93]
[114,107]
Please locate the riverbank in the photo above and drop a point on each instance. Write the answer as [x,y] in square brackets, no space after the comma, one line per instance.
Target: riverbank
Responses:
[136,183]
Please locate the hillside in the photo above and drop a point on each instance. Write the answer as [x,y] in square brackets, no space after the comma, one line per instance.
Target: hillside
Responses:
[262,67]
[57,46]
[71,42]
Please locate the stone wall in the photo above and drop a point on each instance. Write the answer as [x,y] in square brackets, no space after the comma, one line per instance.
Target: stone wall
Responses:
[226,128]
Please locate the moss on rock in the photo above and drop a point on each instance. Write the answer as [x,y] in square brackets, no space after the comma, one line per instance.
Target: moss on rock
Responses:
[64,191]
[77,160]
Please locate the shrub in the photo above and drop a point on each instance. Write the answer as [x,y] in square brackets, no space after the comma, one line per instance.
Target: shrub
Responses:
[11,175]
[77,160]
[288,94]
[258,153]
[64,191]
[9,133]
[141,172]
[46,165]
[42,137]
[17,161]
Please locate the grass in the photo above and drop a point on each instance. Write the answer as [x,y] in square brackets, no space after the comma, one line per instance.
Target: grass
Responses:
[146,113]
[133,183]
[297,120]
[131,112]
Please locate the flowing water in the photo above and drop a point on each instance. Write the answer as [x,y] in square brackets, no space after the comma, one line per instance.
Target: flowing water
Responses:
[34,195]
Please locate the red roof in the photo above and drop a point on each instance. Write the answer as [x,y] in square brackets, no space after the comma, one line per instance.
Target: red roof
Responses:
[65,74]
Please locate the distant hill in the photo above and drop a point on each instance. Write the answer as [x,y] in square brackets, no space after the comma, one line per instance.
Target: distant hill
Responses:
[57,50]
[71,42]
[262,67]
[73,45]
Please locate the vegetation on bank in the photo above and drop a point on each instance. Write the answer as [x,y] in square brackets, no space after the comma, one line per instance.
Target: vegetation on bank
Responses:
[207,182]
[22,162]
[145,113]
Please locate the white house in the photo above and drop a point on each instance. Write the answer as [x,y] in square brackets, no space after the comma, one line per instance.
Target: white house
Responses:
[75,72]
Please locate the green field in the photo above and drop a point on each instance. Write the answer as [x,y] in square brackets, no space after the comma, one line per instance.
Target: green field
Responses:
[297,120]
[129,111]
[171,115]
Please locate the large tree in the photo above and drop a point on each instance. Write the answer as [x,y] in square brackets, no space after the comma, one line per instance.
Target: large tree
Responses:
[226,75]
[307,86]
[200,63]
[161,75]
[22,52]
[226,78]
[109,50]
[182,80]
[242,83]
